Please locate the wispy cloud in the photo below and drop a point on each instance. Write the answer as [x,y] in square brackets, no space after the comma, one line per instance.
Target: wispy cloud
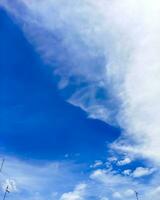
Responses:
[110,51]
[32,180]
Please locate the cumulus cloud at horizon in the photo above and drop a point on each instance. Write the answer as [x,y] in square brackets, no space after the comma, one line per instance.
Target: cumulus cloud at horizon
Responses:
[29,179]
[60,180]
[110,51]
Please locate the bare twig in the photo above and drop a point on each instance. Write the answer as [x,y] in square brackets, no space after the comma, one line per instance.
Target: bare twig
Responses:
[6,191]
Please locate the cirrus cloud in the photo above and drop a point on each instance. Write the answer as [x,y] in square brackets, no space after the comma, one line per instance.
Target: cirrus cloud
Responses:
[109,50]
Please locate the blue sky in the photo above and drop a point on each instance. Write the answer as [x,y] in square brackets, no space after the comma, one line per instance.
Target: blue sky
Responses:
[36,120]
[69,126]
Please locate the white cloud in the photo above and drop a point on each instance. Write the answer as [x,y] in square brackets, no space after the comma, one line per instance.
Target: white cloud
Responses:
[97,163]
[112,159]
[29,180]
[113,52]
[121,44]
[109,178]
[110,50]
[117,195]
[116,186]
[127,172]
[141,171]
[55,180]
[77,194]
[129,193]
[125,161]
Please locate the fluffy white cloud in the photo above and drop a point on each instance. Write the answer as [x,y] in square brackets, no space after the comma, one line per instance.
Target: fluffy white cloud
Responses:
[55,180]
[77,194]
[114,185]
[117,195]
[127,172]
[141,171]
[125,161]
[37,181]
[117,186]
